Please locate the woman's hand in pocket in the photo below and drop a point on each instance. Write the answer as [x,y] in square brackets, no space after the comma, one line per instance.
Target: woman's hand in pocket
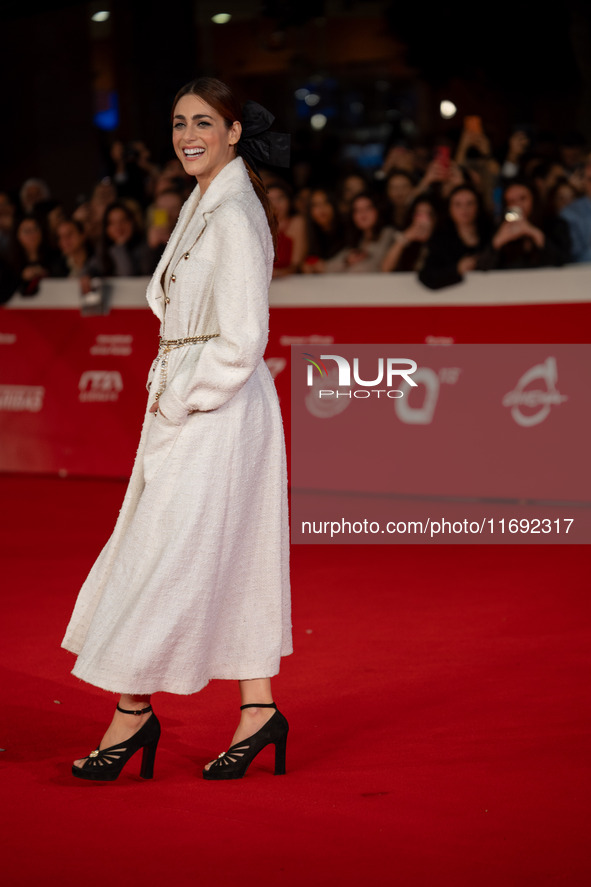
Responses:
[154,408]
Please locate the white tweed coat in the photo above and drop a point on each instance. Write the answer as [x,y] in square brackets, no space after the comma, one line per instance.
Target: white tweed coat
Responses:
[194,582]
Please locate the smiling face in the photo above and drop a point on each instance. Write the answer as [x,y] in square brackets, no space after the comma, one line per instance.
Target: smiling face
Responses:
[202,141]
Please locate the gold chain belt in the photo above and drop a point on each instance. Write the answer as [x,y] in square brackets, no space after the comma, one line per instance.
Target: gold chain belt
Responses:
[167,345]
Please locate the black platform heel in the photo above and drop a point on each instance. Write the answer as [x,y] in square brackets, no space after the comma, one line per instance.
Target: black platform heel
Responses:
[234,763]
[106,764]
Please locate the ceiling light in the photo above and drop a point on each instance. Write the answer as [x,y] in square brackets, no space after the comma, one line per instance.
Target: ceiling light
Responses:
[101,16]
[447,109]
[221,18]
[318,121]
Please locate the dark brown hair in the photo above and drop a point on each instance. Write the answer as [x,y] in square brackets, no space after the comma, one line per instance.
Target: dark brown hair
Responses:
[221,99]
[354,236]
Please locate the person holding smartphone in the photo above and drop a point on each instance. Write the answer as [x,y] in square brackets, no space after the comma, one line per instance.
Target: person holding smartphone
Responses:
[409,249]
[521,240]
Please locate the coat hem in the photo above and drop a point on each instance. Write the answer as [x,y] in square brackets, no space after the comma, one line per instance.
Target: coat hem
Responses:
[269,670]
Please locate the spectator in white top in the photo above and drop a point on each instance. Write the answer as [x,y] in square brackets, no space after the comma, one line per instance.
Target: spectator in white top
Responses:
[369,239]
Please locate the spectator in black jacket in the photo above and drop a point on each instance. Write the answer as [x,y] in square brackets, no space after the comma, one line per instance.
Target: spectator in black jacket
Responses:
[454,248]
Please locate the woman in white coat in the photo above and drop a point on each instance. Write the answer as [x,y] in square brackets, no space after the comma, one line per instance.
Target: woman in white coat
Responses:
[194,582]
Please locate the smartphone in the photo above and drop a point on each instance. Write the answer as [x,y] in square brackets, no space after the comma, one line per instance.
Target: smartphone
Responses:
[159,217]
[513,214]
[473,124]
[443,155]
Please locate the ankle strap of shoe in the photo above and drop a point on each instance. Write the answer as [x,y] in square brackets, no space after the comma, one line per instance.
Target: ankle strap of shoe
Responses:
[139,711]
[258,705]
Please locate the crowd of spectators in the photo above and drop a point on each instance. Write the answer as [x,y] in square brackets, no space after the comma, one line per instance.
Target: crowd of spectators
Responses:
[441,212]
[120,230]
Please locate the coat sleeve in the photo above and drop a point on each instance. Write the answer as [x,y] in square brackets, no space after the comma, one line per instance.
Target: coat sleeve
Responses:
[240,281]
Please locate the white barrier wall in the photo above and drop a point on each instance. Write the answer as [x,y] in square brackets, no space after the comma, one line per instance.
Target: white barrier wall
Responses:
[542,286]
[72,386]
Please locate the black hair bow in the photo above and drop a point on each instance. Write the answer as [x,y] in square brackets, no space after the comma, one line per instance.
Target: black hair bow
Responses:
[257,144]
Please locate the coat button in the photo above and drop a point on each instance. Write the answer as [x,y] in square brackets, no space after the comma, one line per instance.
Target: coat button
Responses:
[173,278]
[186,256]
[167,300]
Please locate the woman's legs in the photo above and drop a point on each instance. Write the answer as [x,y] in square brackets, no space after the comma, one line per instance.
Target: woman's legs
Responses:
[252,719]
[122,727]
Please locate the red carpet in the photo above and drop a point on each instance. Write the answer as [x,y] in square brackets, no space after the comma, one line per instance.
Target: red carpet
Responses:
[439,711]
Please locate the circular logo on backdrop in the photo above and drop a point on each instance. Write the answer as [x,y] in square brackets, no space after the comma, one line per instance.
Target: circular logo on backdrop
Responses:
[530,406]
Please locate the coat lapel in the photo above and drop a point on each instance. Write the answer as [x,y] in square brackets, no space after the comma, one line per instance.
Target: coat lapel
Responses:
[155,292]
[232,179]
